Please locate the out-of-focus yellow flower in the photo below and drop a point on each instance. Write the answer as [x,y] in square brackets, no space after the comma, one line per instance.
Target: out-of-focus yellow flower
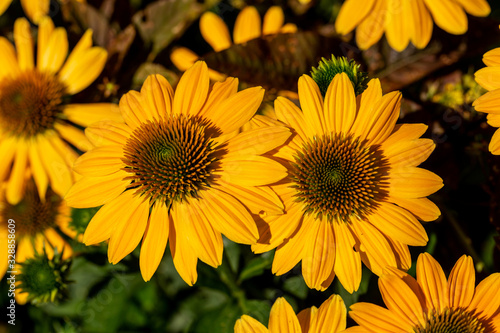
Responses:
[34,9]
[405,21]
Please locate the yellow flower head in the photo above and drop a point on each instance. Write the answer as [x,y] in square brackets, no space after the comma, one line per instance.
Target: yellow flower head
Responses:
[489,79]
[431,303]
[354,192]
[177,170]
[37,126]
[405,21]
[35,224]
[248,26]
[329,318]
[34,9]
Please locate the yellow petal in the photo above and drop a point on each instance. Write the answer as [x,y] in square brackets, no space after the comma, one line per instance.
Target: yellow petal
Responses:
[73,135]
[347,261]
[273,20]
[55,53]
[247,324]
[257,141]
[340,105]
[45,29]
[371,29]
[413,182]
[215,31]
[36,9]
[385,115]
[402,253]
[4,4]
[57,242]
[157,95]
[422,208]
[15,184]
[87,114]
[317,264]
[476,7]
[448,15]
[409,153]
[154,241]
[431,278]
[247,25]
[366,104]
[228,216]
[80,73]
[494,145]
[39,174]
[97,191]
[461,283]
[282,318]
[108,133]
[251,170]
[375,318]
[311,103]
[331,316]
[397,25]
[80,48]
[132,110]
[7,56]
[419,21]
[127,236]
[219,93]
[351,14]
[8,147]
[236,110]
[486,301]
[492,57]
[488,78]
[397,223]
[24,44]
[100,161]
[183,58]
[404,132]
[192,90]
[290,114]
[184,257]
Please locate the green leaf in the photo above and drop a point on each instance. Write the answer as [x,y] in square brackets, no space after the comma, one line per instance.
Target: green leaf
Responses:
[296,286]
[232,252]
[219,320]
[257,266]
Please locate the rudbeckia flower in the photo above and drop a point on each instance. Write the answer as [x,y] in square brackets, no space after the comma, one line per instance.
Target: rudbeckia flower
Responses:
[329,318]
[35,222]
[431,303]
[405,21]
[354,192]
[38,128]
[34,9]
[248,26]
[489,79]
[178,170]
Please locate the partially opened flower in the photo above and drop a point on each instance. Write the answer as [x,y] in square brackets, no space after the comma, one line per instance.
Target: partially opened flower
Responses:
[354,192]
[178,170]
[329,318]
[431,303]
[247,27]
[34,229]
[405,21]
[34,9]
[38,128]
[489,79]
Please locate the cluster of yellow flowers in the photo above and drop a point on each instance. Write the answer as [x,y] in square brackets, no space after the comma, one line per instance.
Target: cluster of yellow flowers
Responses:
[331,182]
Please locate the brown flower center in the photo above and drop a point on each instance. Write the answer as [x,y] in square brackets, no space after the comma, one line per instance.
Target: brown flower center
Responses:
[171,159]
[451,321]
[338,176]
[32,215]
[30,103]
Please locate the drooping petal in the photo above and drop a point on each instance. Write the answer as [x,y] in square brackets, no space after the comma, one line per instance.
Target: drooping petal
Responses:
[489,79]
[154,241]
[397,25]
[351,14]
[35,10]
[420,22]
[371,29]
[448,15]
[347,261]
[184,257]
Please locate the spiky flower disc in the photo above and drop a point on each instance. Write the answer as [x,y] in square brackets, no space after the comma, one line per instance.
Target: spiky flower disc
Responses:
[328,68]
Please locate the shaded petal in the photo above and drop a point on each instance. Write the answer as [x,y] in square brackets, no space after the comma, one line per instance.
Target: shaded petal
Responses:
[192,90]
[492,57]
[282,318]
[371,28]
[347,260]
[476,7]
[97,191]
[127,236]
[448,15]
[420,22]
[409,153]
[132,110]
[154,241]
[215,31]
[35,10]
[366,102]
[290,114]
[39,174]
[331,316]
[273,20]
[397,25]
[351,14]
[8,147]
[340,105]
[7,56]
[385,115]
[486,301]
[183,58]
[15,184]
[100,161]
[247,25]
[431,278]
[184,257]
[399,224]
[219,93]
[461,283]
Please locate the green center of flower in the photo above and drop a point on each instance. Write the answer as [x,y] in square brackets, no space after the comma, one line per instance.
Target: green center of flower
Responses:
[451,321]
[170,159]
[30,103]
[339,177]
[32,215]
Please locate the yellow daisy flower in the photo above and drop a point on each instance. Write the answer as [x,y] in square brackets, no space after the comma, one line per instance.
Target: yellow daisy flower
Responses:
[405,21]
[431,303]
[37,126]
[35,221]
[177,170]
[34,9]
[354,192]
[489,79]
[248,26]
[329,318]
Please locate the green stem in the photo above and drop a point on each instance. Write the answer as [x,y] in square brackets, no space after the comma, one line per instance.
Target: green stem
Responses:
[229,279]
